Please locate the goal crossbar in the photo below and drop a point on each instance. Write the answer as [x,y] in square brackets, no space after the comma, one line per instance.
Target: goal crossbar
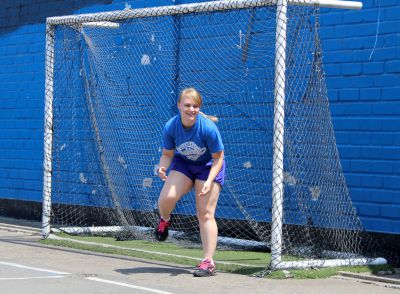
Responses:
[192,8]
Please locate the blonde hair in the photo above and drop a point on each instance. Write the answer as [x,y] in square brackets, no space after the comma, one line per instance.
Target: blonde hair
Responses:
[195,95]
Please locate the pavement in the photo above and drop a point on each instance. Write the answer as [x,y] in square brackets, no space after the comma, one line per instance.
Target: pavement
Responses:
[27,266]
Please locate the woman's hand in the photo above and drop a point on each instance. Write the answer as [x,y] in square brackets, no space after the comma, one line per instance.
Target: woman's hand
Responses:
[165,161]
[206,188]
[218,159]
[162,173]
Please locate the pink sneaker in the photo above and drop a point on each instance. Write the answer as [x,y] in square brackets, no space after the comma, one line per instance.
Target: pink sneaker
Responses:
[161,233]
[205,269]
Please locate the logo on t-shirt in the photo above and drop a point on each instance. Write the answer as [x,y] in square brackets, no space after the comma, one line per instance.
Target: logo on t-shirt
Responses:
[191,150]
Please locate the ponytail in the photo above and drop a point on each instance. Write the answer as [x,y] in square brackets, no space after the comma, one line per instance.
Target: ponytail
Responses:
[210,117]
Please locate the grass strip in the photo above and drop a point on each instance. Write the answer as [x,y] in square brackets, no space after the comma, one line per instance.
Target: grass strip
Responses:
[231,261]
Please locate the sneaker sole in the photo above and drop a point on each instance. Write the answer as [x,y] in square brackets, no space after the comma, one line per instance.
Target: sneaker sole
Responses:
[202,275]
[160,238]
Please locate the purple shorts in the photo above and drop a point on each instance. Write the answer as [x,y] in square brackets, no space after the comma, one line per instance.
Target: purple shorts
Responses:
[199,172]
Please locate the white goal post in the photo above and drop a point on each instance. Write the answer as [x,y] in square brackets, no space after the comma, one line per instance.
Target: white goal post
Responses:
[111,20]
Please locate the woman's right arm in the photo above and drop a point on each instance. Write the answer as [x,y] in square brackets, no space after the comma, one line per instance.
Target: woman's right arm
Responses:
[165,161]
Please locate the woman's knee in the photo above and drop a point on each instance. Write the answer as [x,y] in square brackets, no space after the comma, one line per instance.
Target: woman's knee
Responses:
[167,198]
[204,215]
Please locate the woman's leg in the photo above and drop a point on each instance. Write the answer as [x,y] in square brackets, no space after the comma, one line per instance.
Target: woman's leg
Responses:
[176,185]
[206,206]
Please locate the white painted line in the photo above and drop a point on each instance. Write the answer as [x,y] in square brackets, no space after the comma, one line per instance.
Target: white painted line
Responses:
[18,229]
[5,225]
[55,237]
[29,278]
[32,268]
[128,285]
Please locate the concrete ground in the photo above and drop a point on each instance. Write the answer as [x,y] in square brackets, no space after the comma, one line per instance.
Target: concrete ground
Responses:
[27,266]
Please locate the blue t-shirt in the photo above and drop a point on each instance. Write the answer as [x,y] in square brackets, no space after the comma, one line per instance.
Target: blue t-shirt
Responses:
[195,144]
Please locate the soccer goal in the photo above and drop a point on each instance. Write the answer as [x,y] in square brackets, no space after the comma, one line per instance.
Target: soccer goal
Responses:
[112,81]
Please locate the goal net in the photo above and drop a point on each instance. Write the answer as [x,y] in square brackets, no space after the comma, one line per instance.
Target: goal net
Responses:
[112,81]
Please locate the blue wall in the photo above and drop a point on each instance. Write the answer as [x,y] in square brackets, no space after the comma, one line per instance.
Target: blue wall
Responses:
[362,65]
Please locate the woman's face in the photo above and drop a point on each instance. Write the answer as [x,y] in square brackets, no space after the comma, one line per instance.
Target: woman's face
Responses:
[189,110]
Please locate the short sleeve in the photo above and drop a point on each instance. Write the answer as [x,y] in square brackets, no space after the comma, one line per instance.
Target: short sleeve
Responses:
[168,138]
[214,140]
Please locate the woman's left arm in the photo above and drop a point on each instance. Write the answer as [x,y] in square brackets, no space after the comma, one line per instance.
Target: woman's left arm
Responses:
[218,159]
